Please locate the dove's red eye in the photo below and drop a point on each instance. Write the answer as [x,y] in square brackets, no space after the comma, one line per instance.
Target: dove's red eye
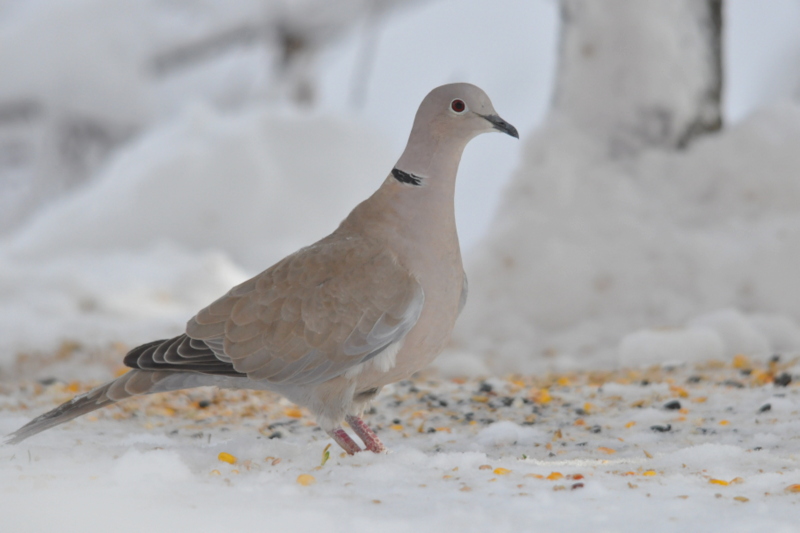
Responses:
[458,105]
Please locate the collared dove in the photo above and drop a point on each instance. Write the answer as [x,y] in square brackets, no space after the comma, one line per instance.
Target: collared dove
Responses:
[329,325]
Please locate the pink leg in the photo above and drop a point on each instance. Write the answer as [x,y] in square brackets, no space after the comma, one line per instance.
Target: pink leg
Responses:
[371,440]
[344,440]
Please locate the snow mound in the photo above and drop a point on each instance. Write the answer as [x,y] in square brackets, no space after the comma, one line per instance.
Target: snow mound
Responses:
[651,346]
[587,248]
[507,433]
[166,227]
[209,180]
[152,466]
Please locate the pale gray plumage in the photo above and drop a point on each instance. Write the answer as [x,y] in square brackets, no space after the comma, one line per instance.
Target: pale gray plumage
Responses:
[331,324]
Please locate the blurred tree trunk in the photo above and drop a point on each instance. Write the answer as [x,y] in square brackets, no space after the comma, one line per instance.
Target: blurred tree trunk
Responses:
[641,73]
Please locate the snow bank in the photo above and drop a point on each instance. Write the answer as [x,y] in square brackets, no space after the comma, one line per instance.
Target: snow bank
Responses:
[212,180]
[168,225]
[586,249]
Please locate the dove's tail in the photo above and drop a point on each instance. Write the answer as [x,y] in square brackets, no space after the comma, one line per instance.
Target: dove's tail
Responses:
[133,383]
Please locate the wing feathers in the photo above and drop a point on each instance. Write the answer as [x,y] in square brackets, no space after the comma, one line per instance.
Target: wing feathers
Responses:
[307,319]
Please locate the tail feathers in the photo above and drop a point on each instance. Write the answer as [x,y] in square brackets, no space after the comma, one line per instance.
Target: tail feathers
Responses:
[80,405]
[131,384]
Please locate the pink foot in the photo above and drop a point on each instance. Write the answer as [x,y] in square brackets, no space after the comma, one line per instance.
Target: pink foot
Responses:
[371,440]
[344,440]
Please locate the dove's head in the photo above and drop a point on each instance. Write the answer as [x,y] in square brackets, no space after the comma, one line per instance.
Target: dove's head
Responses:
[459,110]
[447,119]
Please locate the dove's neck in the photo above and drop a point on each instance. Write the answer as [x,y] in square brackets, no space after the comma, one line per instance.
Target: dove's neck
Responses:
[432,159]
[416,213]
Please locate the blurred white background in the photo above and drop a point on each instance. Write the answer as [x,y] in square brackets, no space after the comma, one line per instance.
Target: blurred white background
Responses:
[154,152]
[91,76]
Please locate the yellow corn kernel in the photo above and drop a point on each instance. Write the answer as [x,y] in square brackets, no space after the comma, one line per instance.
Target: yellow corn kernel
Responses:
[761,377]
[588,407]
[293,412]
[718,482]
[396,427]
[555,475]
[724,422]
[536,476]
[609,451]
[700,399]
[793,488]
[741,361]
[226,458]
[306,479]
[679,391]
[649,473]
[563,381]
[501,471]
[630,424]
[541,396]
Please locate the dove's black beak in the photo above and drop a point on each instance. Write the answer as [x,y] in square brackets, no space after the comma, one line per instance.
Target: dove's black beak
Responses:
[501,125]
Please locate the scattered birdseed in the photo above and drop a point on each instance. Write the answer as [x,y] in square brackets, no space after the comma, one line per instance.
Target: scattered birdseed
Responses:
[306,479]
[456,410]
[783,380]
[326,454]
[293,412]
[741,361]
[226,458]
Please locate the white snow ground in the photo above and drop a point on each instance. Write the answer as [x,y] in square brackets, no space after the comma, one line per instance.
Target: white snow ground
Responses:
[711,447]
